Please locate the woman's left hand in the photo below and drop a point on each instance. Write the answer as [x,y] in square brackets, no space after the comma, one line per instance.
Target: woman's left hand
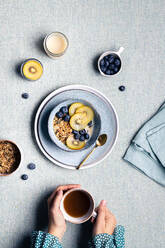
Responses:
[57,225]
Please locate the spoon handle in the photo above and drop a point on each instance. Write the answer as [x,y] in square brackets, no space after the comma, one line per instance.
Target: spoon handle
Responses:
[80,165]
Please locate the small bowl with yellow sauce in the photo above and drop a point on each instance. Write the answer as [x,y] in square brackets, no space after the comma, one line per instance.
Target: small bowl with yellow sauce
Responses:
[32,69]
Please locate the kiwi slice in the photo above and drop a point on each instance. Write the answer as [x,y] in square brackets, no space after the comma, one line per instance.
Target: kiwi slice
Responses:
[87,111]
[78,121]
[32,69]
[74,144]
[73,107]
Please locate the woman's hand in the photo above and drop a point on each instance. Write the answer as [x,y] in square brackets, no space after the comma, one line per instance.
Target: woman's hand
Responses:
[57,225]
[105,221]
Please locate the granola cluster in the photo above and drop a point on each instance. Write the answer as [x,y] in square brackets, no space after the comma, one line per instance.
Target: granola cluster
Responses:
[62,129]
[9,157]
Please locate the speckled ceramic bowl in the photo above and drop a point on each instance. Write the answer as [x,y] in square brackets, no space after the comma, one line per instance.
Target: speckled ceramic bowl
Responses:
[96,125]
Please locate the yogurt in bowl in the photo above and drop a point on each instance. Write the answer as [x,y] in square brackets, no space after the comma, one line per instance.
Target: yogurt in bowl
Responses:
[74,125]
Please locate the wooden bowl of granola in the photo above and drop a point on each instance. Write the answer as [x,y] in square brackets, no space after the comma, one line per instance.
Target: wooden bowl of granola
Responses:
[10,157]
[62,132]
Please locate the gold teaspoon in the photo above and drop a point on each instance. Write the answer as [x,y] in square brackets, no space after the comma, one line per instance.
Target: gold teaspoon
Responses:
[99,142]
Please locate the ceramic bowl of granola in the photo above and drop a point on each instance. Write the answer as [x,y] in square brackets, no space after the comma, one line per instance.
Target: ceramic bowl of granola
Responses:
[10,157]
[74,125]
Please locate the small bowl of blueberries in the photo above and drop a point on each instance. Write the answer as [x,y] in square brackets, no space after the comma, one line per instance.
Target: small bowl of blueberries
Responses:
[109,63]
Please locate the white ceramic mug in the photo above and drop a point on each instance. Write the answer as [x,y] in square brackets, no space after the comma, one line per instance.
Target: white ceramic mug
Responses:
[118,53]
[84,218]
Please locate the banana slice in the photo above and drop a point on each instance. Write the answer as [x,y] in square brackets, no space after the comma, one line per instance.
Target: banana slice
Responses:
[78,121]
[73,107]
[87,111]
[74,144]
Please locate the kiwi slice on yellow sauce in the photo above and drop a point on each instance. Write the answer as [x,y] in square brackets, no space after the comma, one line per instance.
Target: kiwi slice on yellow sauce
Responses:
[32,69]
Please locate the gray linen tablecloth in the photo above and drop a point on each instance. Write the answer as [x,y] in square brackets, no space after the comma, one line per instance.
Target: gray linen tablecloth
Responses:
[92,27]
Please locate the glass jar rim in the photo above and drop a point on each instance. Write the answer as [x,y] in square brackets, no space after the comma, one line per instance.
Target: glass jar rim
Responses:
[55,54]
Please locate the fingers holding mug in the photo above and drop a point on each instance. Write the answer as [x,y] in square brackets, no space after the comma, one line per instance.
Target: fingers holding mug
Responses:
[105,221]
[63,188]
[99,225]
[110,222]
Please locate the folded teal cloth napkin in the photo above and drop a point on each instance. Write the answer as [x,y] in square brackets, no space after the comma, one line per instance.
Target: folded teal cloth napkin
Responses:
[147,149]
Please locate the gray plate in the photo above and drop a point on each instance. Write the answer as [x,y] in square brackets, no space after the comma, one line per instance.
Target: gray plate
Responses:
[109,125]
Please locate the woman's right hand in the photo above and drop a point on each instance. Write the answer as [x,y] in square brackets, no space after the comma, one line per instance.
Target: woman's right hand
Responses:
[57,225]
[105,221]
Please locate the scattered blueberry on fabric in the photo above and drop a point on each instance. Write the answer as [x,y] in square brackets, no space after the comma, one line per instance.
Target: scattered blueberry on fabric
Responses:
[122,88]
[24,177]
[31,166]
[25,95]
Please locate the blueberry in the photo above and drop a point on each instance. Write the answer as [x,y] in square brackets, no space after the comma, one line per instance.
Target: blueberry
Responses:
[116,69]
[107,63]
[31,166]
[59,114]
[66,118]
[25,95]
[111,59]
[77,136]
[75,132]
[122,88]
[117,62]
[24,177]
[90,124]
[86,136]
[111,66]
[103,68]
[82,138]
[64,110]
[82,132]
[106,57]
[108,72]
[102,62]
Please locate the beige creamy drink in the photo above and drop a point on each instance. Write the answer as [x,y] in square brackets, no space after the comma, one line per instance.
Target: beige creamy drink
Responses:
[55,44]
